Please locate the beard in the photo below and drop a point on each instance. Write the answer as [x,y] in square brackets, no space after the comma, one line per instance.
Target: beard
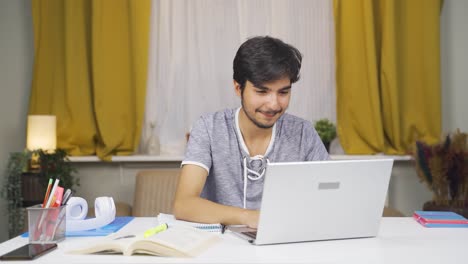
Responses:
[255,121]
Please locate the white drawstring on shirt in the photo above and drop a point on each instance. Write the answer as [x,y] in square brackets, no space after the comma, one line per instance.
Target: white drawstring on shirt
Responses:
[252,175]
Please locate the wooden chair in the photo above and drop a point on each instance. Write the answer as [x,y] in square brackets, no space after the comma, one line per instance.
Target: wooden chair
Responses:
[391,212]
[154,191]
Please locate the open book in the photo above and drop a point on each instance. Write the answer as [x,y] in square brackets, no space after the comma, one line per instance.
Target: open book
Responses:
[176,241]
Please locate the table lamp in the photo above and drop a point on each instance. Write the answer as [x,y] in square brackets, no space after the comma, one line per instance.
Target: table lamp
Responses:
[41,134]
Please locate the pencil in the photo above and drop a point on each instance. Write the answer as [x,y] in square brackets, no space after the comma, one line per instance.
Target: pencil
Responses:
[52,193]
[46,197]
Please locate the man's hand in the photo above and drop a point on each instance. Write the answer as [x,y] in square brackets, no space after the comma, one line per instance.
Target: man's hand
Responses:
[250,218]
[189,206]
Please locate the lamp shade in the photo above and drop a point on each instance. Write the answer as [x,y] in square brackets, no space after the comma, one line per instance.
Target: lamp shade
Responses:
[41,132]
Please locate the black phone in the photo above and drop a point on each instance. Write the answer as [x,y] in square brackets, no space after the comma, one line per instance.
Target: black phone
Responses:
[29,251]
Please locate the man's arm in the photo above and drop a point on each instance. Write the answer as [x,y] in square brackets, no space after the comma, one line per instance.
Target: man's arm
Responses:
[188,205]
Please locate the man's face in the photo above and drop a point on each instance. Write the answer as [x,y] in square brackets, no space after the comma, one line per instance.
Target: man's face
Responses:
[263,105]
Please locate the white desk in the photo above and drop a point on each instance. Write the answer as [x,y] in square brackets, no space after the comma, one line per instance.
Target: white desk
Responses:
[400,240]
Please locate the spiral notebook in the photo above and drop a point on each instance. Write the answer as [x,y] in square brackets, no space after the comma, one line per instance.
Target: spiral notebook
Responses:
[170,220]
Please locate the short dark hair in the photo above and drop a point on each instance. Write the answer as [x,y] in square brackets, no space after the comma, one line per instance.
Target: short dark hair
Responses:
[264,59]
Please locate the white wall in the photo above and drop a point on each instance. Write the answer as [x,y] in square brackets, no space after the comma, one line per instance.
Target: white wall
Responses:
[112,179]
[16,59]
[454,59]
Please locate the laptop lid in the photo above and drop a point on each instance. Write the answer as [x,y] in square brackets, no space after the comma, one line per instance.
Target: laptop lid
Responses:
[322,200]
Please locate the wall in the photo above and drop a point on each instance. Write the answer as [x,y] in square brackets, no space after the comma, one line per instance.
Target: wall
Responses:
[16,60]
[117,179]
[454,60]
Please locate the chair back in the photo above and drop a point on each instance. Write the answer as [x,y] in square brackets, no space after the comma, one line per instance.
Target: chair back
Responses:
[391,212]
[154,191]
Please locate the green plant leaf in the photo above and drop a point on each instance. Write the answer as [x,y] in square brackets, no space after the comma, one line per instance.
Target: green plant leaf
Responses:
[325,129]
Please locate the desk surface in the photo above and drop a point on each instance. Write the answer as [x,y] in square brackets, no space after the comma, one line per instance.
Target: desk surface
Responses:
[400,240]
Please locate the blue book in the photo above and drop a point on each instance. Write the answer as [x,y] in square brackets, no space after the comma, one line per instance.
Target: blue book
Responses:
[116,225]
[440,219]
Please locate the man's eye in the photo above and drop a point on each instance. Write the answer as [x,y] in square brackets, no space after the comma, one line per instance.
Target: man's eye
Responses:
[284,92]
[261,92]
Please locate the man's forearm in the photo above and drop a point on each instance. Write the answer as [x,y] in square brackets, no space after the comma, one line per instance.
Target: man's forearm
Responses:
[197,209]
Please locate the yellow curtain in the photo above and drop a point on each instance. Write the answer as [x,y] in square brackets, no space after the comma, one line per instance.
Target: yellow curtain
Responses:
[90,71]
[388,74]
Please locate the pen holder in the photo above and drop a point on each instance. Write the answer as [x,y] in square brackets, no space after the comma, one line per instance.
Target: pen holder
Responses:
[46,225]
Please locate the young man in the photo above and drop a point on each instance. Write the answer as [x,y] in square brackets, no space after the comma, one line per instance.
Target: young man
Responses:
[222,173]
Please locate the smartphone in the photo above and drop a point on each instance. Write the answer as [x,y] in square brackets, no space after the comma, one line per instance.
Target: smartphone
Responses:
[29,251]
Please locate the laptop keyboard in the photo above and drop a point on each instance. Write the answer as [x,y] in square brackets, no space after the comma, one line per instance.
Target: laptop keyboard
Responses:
[252,234]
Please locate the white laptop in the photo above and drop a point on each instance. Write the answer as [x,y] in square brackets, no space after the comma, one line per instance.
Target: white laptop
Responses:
[320,200]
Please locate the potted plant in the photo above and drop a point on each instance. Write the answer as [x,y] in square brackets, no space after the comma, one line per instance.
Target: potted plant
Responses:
[20,182]
[11,191]
[56,165]
[326,131]
[443,167]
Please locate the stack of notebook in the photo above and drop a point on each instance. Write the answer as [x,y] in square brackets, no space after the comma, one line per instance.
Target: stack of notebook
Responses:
[440,219]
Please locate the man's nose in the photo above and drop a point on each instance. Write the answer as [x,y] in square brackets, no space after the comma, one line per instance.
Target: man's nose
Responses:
[273,102]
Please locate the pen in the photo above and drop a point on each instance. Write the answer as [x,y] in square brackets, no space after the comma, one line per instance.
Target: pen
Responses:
[223,228]
[47,193]
[52,193]
[68,194]
[155,230]
[123,237]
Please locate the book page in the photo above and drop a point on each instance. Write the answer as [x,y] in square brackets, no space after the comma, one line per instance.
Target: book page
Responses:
[187,240]
[176,241]
[113,243]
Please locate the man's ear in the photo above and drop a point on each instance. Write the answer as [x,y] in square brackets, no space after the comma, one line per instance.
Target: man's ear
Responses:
[237,88]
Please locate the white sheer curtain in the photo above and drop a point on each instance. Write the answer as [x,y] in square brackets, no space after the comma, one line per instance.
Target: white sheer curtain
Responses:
[193,44]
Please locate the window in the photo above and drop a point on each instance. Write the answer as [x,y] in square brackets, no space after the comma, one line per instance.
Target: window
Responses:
[193,44]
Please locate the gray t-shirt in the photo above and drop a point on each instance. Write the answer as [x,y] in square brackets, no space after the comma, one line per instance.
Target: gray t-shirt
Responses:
[216,145]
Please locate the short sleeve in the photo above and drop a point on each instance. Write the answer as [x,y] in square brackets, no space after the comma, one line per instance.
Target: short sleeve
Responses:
[316,149]
[198,151]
